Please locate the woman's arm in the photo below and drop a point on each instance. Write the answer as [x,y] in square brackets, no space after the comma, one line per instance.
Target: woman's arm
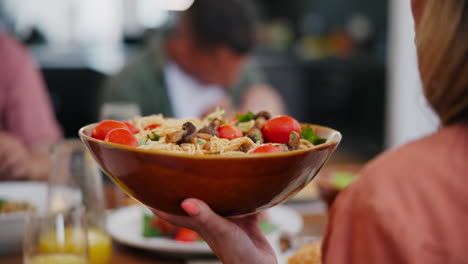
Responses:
[29,121]
[28,114]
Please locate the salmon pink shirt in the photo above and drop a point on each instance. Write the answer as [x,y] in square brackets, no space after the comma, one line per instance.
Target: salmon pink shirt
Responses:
[410,205]
[25,109]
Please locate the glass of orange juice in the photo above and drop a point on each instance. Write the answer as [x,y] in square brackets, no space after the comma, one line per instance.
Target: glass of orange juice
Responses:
[58,237]
[75,181]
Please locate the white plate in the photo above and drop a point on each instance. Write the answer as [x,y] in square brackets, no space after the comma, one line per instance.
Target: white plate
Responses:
[12,224]
[125,226]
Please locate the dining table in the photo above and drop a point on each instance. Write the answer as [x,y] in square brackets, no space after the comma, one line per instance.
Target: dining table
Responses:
[121,254]
[313,212]
[314,223]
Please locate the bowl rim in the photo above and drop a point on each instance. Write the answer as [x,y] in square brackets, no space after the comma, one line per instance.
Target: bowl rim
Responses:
[332,141]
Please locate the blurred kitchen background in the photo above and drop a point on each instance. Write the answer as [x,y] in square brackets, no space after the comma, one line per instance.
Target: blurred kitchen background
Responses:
[347,64]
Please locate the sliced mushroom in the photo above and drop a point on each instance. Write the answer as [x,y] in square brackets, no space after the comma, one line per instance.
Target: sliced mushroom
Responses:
[204,136]
[212,128]
[263,114]
[193,140]
[261,118]
[189,127]
[175,137]
[260,122]
[208,148]
[182,136]
[190,130]
[246,147]
[255,135]
[294,141]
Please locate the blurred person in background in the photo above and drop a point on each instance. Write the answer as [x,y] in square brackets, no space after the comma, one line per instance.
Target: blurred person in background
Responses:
[410,205]
[204,63]
[27,122]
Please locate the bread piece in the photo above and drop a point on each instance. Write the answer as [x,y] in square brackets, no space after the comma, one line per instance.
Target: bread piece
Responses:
[307,254]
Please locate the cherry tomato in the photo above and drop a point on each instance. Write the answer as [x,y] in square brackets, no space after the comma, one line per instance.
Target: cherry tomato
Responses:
[186,235]
[278,129]
[267,148]
[104,127]
[122,136]
[131,127]
[229,131]
[153,126]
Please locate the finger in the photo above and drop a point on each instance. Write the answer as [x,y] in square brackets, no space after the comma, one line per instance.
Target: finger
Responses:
[182,221]
[204,220]
[250,225]
[190,207]
[200,218]
[247,223]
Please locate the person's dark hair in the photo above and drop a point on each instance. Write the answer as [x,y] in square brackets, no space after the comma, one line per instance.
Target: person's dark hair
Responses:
[223,22]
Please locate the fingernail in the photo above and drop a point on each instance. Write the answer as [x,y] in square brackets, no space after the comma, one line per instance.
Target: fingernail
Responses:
[190,207]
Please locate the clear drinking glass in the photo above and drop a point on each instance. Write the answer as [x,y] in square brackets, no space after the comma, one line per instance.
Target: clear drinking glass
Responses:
[75,181]
[56,238]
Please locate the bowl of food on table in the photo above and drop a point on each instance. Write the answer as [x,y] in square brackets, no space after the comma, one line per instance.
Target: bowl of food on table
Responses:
[17,200]
[237,166]
[333,180]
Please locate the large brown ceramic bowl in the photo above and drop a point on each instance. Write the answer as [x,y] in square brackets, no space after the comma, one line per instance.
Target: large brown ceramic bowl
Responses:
[232,186]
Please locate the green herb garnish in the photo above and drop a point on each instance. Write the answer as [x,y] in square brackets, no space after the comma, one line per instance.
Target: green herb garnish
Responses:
[245,117]
[258,138]
[199,142]
[142,142]
[153,137]
[309,134]
[292,136]
[148,229]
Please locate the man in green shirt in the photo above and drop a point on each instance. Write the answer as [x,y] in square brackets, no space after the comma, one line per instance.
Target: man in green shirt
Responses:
[203,64]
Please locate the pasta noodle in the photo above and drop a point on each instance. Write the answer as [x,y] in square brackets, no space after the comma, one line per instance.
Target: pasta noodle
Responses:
[170,135]
[216,145]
